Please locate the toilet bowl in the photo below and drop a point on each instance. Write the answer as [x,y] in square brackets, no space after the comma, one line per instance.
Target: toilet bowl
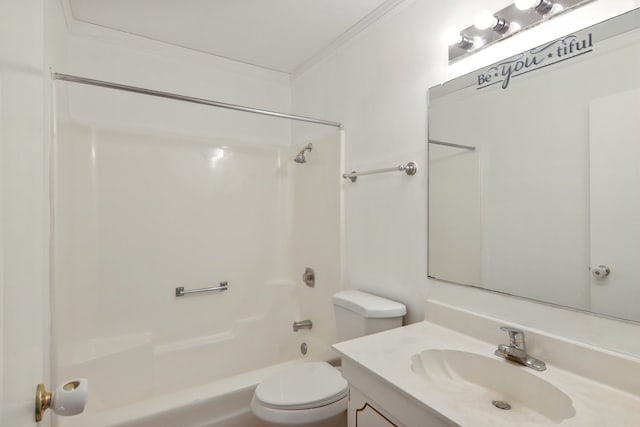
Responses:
[312,394]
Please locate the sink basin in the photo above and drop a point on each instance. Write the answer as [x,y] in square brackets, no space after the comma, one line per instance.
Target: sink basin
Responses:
[484,384]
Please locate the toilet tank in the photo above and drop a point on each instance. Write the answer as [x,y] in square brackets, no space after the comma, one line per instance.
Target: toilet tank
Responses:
[359,313]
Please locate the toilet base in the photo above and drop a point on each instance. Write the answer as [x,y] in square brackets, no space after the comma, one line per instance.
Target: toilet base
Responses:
[339,420]
[331,415]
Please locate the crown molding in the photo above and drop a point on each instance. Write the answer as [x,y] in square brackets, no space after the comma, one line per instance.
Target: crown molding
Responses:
[376,15]
[78,27]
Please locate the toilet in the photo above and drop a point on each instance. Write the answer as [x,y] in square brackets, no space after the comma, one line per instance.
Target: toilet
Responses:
[314,394]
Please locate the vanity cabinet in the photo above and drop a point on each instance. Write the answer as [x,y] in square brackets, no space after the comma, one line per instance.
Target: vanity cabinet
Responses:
[383,405]
[363,412]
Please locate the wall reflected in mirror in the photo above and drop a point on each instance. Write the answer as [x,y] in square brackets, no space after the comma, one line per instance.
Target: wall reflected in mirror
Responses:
[544,195]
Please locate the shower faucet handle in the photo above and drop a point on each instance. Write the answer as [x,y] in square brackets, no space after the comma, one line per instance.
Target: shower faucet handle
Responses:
[309,277]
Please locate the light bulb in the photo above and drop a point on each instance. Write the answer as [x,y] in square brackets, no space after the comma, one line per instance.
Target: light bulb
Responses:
[527,4]
[484,19]
[540,6]
[477,42]
[451,36]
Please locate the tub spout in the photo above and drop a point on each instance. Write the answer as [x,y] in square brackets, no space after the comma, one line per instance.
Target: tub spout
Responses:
[302,324]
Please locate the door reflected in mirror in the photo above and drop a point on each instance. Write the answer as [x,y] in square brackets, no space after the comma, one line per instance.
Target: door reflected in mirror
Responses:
[534,176]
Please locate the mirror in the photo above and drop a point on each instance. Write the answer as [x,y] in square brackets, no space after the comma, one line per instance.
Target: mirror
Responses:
[534,176]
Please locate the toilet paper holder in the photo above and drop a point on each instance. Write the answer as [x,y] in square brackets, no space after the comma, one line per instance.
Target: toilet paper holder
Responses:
[63,405]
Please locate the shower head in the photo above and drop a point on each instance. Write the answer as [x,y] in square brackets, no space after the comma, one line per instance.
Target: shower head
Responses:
[300,157]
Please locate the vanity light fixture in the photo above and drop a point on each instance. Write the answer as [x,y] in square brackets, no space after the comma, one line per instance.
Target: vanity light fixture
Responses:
[486,20]
[453,37]
[490,27]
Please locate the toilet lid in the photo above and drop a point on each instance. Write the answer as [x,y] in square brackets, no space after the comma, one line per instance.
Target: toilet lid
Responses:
[302,386]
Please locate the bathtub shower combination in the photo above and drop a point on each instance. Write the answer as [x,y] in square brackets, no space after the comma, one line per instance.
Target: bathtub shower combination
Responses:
[152,195]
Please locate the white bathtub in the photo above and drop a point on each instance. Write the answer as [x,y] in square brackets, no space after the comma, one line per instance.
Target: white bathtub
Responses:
[220,403]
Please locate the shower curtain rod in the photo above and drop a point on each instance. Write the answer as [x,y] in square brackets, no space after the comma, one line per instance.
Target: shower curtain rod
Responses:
[168,95]
[449,144]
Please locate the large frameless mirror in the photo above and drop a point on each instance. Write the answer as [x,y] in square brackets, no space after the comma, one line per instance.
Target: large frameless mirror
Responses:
[534,176]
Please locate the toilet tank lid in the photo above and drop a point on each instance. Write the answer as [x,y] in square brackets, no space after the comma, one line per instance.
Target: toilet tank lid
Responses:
[368,305]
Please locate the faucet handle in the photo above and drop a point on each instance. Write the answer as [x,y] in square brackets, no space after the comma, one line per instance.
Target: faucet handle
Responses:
[516,336]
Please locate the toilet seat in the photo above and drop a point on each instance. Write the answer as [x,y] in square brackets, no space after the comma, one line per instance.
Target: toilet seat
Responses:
[303,386]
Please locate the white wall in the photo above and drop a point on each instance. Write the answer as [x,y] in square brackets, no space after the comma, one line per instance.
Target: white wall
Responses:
[376,86]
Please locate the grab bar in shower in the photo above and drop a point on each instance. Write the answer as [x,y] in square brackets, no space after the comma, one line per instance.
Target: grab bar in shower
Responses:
[181,292]
[410,169]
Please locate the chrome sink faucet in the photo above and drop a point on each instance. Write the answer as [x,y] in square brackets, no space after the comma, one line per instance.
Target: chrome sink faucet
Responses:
[516,350]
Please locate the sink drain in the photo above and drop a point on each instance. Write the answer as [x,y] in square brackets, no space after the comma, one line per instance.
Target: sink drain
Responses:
[501,405]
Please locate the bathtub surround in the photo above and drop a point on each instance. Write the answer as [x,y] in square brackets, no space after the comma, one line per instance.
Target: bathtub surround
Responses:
[139,212]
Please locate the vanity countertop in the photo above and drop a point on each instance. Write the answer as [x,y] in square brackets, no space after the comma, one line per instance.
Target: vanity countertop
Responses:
[387,357]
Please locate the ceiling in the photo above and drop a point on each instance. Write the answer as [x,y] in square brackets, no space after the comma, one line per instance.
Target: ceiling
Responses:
[280,35]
